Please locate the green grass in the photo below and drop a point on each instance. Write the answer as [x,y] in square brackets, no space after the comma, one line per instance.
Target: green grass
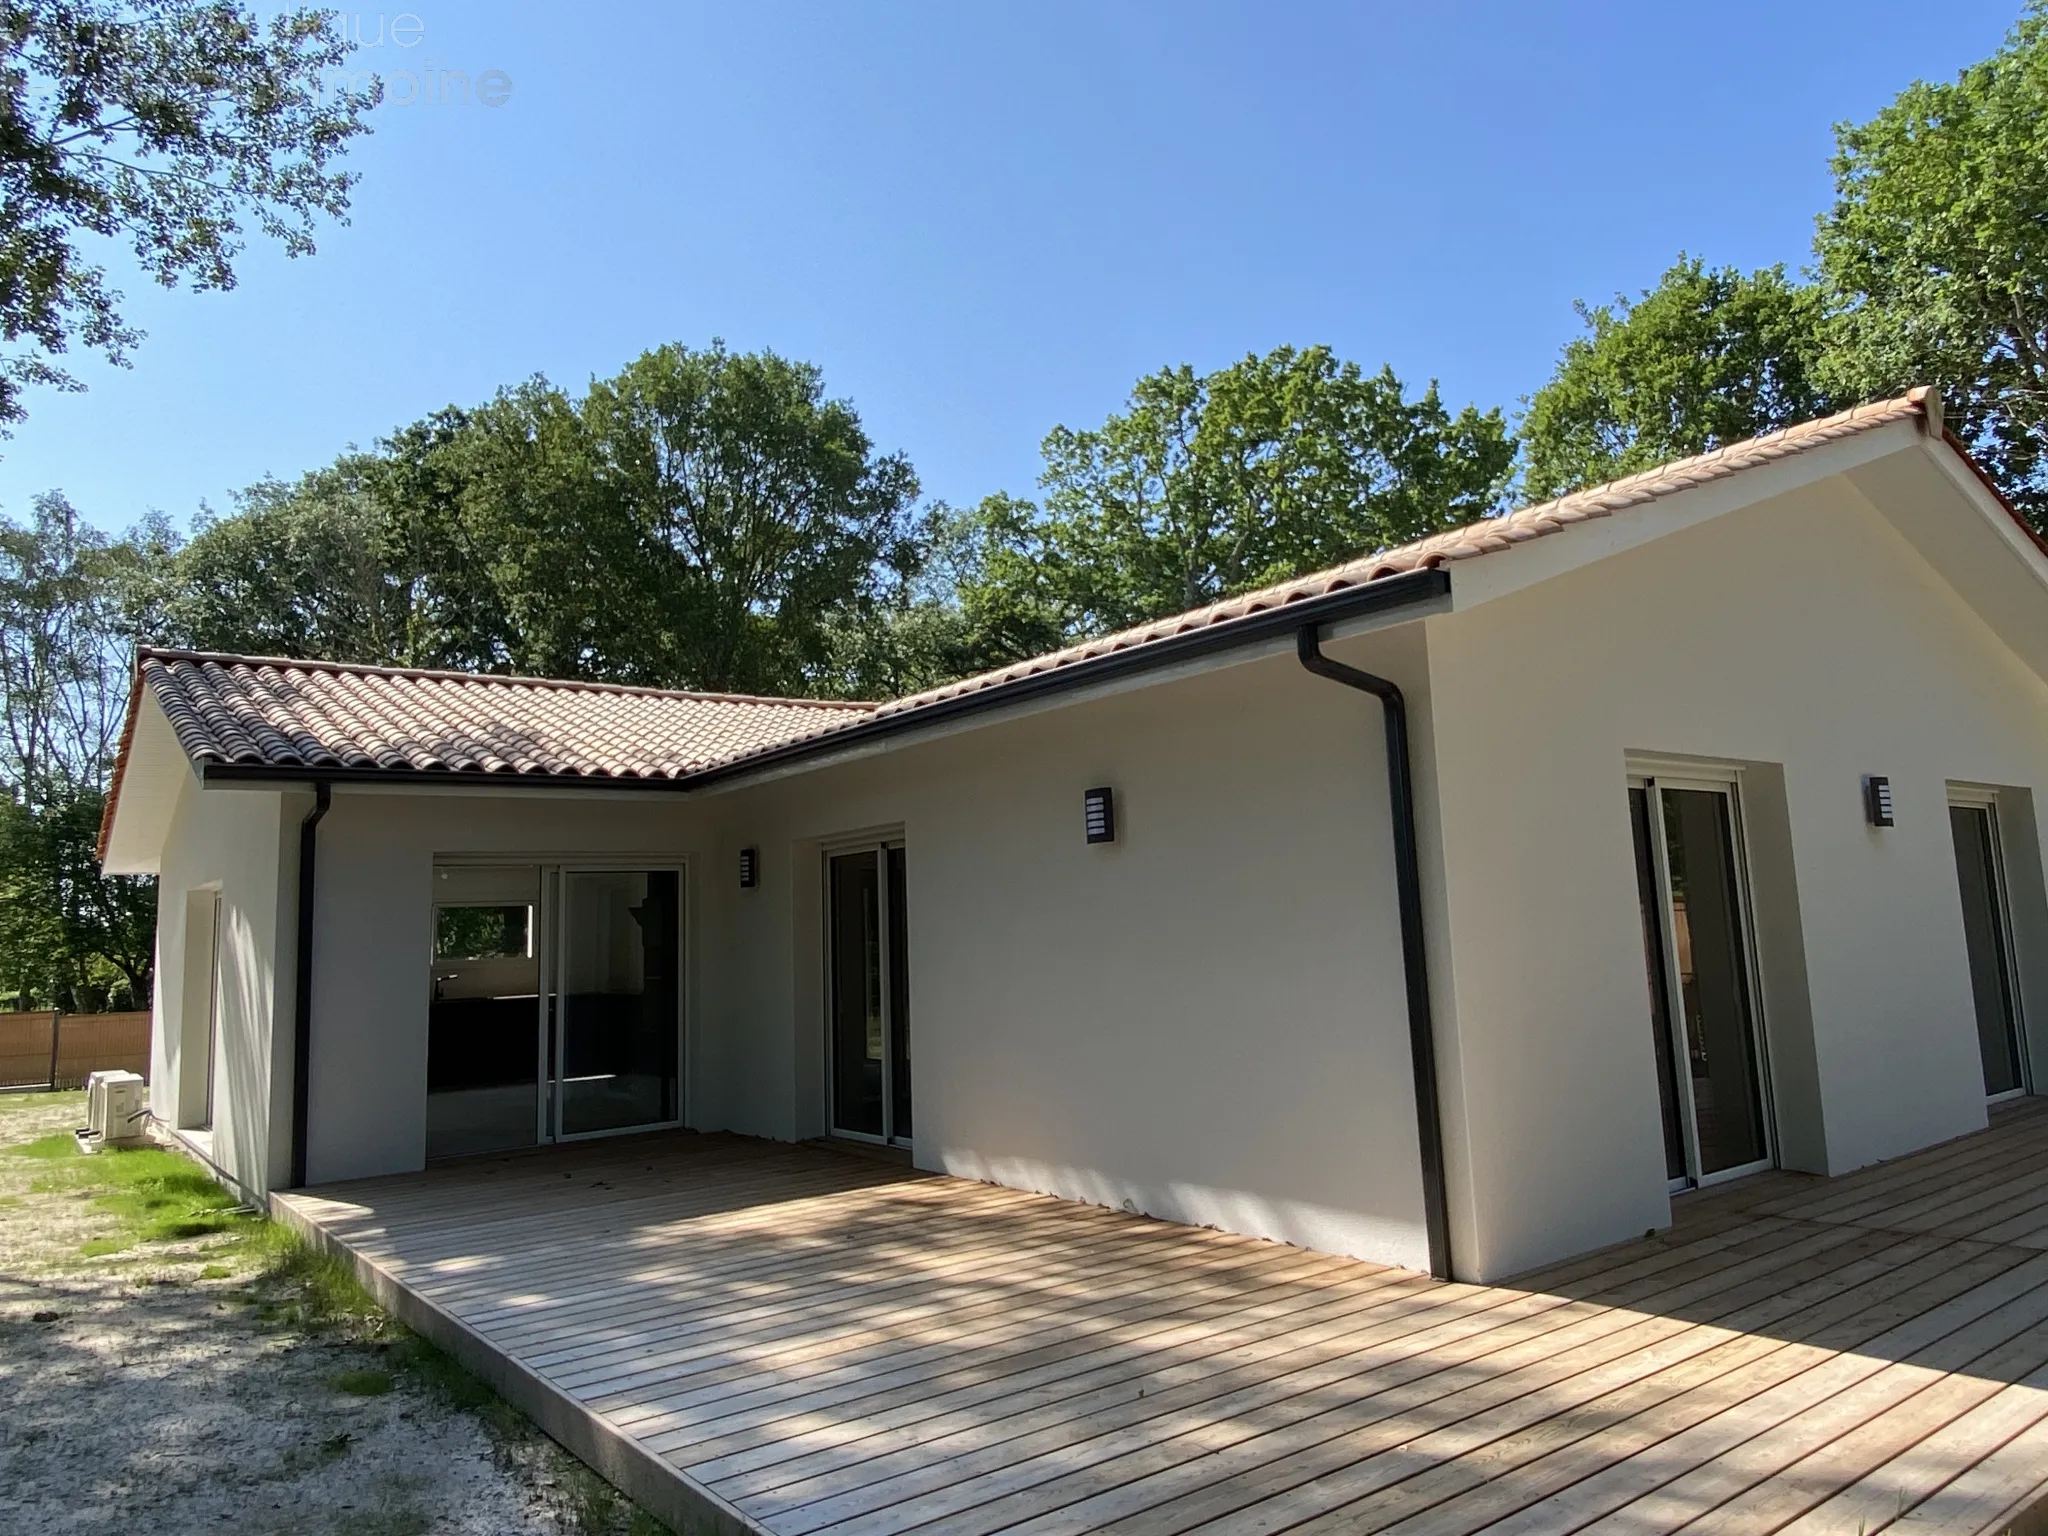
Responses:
[150,1195]
[308,1287]
[58,1144]
[154,1196]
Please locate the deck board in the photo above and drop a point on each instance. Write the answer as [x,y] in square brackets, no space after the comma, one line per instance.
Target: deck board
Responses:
[757,1338]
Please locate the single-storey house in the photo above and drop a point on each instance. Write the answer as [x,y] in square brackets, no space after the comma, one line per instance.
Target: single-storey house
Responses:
[1460,907]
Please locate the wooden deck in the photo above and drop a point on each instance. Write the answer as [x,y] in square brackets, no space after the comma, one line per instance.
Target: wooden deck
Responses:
[758,1338]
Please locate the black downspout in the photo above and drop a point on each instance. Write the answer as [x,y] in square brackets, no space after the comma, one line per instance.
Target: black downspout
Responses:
[302,1015]
[1414,961]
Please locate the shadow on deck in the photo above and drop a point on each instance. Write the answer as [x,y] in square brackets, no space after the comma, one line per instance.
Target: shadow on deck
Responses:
[751,1337]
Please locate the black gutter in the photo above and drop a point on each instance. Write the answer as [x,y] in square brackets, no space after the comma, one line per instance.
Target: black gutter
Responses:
[302,1003]
[1414,959]
[1384,595]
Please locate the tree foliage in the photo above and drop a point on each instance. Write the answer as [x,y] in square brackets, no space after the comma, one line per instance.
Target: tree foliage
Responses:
[69,935]
[754,506]
[170,124]
[1211,484]
[1705,358]
[63,662]
[704,519]
[1931,267]
[1935,254]
[297,570]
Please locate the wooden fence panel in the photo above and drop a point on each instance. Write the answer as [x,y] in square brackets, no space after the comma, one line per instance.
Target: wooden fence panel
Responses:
[85,1043]
[25,1048]
[101,1042]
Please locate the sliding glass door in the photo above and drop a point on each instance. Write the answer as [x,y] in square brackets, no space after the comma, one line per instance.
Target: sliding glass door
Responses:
[483,1012]
[555,1007]
[869,1026]
[620,989]
[1980,874]
[1695,916]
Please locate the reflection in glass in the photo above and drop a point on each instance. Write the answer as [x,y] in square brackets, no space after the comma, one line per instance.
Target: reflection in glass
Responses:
[1660,986]
[483,1058]
[899,1002]
[857,1033]
[620,991]
[869,1024]
[1998,1035]
[1713,979]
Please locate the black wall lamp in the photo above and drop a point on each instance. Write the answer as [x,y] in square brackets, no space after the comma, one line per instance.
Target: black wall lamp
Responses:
[1877,800]
[750,868]
[1099,815]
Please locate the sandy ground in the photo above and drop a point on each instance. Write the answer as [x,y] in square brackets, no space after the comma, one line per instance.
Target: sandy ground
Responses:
[138,1396]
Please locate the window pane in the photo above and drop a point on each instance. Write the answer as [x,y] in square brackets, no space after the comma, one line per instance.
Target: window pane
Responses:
[483,1022]
[1713,975]
[620,991]
[899,1001]
[1660,993]
[482,933]
[1990,965]
[856,993]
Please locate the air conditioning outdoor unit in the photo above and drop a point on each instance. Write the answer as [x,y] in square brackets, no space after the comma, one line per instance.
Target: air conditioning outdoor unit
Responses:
[116,1107]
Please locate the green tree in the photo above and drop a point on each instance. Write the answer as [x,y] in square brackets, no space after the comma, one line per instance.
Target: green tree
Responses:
[69,935]
[704,519]
[755,507]
[169,124]
[976,596]
[1207,485]
[297,570]
[1936,254]
[512,559]
[1705,358]
[63,655]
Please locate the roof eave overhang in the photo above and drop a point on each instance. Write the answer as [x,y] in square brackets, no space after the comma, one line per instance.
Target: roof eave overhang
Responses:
[272,775]
[1405,597]
[149,774]
[1410,594]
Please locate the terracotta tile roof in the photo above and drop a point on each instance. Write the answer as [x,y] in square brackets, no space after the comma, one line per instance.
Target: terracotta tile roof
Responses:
[1470,541]
[301,714]
[319,715]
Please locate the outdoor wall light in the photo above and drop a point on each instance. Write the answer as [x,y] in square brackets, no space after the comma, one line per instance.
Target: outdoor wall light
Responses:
[750,868]
[1877,800]
[1099,815]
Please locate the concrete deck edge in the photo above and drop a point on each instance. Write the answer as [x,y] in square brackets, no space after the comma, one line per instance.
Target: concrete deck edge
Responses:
[677,1500]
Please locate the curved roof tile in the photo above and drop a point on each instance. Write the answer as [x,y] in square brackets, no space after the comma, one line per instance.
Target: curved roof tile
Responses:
[296,714]
[331,716]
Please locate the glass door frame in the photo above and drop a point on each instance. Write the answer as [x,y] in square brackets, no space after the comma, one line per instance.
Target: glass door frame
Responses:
[1986,800]
[555,963]
[1649,777]
[880,845]
[550,938]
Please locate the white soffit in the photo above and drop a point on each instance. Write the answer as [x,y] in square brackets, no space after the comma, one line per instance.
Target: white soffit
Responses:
[1501,572]
[1961,528]
[153,777]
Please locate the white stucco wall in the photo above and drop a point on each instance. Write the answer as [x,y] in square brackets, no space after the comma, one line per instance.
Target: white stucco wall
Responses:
[373,936]
[231,842]
[1204,1021]
[1803,635]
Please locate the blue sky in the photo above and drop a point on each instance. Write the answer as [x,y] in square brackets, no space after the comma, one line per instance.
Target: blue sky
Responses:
[983,220]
